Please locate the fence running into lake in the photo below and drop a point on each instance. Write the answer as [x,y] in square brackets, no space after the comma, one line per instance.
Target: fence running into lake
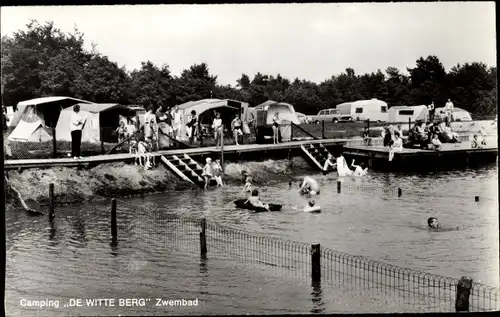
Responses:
[311,261]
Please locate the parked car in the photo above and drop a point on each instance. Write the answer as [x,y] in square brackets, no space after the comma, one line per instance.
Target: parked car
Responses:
[302,117]
[329,115]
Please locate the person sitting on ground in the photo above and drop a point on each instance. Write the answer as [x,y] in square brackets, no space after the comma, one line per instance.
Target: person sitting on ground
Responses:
[217,172]
[207,172]
[435,143]
[475,143]
[359,170]
[433,223]
[309,186]
[236,127]
[366,137]
[329,162]
[254,200]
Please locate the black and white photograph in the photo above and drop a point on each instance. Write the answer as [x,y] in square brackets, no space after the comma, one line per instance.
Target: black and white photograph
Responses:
[250,159]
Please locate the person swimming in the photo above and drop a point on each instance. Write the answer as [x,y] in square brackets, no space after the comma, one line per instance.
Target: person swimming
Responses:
[359,170]
[255,201]
[433,223]
[312,207]
[309,186]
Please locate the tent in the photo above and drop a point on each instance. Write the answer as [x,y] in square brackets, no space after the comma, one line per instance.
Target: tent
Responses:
[266,110]
[101,120]
[404,113]
[458,114]
[30,132]
[228,108]
[45,109]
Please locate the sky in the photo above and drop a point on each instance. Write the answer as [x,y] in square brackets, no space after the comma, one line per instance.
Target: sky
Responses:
[308,41]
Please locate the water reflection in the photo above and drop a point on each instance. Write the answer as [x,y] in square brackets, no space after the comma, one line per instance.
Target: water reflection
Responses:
[317,298]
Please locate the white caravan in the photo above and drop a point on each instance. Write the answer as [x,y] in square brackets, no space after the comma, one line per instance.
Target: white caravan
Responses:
[405,113]
[373,110]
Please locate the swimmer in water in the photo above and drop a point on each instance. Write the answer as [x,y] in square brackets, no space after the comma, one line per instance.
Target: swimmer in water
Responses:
[254,200]
[359,170]
[309,186]
[309,205]
[433,223]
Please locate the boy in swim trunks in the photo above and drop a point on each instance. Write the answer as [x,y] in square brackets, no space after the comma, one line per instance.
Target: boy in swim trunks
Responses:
[254,200]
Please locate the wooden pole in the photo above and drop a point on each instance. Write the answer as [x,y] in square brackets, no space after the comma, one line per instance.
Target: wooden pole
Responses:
[316,262]
[323,129]
[203,237]
[339,187]
[476,198]
[400,192]
[54,143]
[409,124]
[51,201]
[114,233]
[464,287]
[222,149]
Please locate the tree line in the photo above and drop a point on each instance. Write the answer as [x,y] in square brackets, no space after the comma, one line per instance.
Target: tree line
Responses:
[43,61]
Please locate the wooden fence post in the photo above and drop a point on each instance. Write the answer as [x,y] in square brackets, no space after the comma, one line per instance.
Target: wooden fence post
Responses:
[203,237]
[54,143]
[409,124]
[114,233]
[316,262]
[400,192]
[476,198]
[339,187]
[222,150]
[464,287]
[323,129]
[51,201]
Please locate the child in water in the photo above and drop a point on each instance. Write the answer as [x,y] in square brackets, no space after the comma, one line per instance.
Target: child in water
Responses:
[433,223]
[248,183]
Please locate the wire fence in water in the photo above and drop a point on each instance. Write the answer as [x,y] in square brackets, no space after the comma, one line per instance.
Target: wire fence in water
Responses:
[212,239]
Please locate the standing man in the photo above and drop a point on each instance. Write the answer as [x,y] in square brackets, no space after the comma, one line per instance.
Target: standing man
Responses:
[76,123]
[177,122]
[432,110]
[449,110]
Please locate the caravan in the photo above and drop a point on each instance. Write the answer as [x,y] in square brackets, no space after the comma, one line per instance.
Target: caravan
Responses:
[373,110]
[405,113]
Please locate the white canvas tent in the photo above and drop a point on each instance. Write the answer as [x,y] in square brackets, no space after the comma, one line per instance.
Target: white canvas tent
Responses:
[204,105]
[404,113]
[30,132]
[100,120]
[458,114]
[266,110]
[45,109]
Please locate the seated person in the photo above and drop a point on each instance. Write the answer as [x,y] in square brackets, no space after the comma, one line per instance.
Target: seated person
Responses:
[359,170]
[397,146]
[435,143]
[248,185]
[254,200]
[309,186]
[329,162]
[476,143]
[388,141]
[366,137]
[207,172]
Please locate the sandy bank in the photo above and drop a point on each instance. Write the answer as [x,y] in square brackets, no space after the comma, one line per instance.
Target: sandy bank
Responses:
[78,185]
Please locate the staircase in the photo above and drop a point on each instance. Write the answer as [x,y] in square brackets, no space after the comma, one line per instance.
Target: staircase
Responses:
[185,167]
[316,154]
